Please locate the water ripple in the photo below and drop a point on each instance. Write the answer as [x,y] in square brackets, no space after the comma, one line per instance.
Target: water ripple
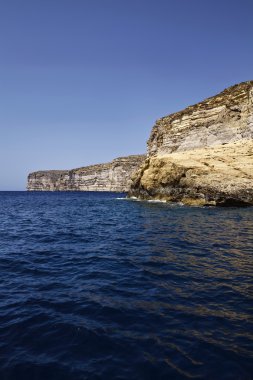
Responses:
[97,287]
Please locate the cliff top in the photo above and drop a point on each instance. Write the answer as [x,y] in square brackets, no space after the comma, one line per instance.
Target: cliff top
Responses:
[231,96]
[120,160]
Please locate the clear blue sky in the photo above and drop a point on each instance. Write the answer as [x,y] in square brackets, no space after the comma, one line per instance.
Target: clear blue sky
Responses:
[83,81]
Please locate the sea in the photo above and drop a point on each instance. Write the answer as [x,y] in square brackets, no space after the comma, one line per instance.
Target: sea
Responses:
[97,286]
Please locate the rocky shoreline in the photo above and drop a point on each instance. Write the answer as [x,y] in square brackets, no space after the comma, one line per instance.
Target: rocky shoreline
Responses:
[220,175]
[202,155]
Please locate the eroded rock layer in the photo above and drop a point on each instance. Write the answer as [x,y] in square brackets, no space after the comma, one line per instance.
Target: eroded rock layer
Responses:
[224,118]
[113,176]
[203,154]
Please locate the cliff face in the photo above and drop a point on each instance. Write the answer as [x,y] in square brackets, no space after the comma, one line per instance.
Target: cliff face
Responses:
[203,154]
[113,176]
[224,118]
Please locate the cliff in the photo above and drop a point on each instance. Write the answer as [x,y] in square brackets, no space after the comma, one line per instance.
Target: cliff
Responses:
[202,155]
[113,176]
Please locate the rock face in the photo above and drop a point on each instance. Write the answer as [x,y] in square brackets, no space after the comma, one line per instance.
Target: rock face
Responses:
[203,154]
[113,176]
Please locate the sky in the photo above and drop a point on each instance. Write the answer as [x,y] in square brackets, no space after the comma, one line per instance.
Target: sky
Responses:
[83,81]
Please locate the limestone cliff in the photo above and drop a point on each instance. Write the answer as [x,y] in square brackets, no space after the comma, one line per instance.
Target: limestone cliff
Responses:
[203,154]
[113,176]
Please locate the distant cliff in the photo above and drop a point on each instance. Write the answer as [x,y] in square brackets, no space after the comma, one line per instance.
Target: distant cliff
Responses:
[203,154]
[112,176]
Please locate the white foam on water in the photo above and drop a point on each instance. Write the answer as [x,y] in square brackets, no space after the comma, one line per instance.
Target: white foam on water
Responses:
[156,201]
[135,199]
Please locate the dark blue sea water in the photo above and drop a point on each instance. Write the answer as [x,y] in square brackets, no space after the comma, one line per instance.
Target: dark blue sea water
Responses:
[95,287]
